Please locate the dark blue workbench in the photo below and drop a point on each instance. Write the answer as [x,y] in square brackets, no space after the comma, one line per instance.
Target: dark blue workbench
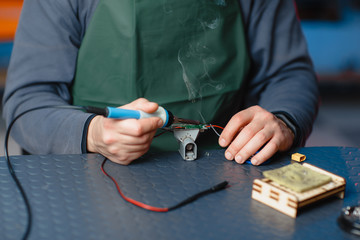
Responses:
[72,199]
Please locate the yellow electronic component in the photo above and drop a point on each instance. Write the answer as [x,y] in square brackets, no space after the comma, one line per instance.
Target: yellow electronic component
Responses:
[298,157]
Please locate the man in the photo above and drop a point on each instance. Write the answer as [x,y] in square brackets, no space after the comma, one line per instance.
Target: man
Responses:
[236,62]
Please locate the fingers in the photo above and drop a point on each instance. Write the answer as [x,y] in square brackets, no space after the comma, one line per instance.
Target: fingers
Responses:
[247,142]
[234,126]
[123,141]
[266,152]
[133,127]
[254,129]
[252,145]
[143,105]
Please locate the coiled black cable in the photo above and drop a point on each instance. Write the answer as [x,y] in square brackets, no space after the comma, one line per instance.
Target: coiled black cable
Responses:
[11,169]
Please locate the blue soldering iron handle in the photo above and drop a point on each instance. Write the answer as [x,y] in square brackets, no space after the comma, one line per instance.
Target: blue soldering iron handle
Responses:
[120,113]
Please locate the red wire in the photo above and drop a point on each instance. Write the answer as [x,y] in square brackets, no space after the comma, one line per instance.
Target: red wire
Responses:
[133,201]
[215,126]
[130,200]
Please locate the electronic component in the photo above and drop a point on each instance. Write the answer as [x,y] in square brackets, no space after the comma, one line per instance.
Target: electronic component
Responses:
[289,201]
[186,135]
[297,177]
[298,157]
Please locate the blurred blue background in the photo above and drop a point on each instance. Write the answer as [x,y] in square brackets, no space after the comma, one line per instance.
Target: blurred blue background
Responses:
[333,37]
[332,29]
[5,52]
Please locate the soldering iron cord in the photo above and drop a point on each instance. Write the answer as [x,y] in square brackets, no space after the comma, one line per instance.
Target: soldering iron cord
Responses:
[188,200]
[137,203]
[11,169]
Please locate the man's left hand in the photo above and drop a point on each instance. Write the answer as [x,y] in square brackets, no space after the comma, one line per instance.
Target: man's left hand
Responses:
[255,130]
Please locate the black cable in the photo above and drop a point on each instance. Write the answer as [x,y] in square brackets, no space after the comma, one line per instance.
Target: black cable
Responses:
[188,200]
[163,130]
[11,169]
[213,189]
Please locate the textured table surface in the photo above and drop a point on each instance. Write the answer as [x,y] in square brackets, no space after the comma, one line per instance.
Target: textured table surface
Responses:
[72,199]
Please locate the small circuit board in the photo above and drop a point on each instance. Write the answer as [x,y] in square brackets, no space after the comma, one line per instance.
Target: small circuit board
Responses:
[297,177]
[177,126]
[288,201]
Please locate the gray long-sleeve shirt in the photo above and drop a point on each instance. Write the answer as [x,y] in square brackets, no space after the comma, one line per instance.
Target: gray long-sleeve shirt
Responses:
[43,64]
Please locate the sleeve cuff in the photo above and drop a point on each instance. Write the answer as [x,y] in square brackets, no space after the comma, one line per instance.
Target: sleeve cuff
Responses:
[85,132]
[290,122]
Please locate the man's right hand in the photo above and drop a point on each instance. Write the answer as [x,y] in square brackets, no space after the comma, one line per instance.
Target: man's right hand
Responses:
[123,141]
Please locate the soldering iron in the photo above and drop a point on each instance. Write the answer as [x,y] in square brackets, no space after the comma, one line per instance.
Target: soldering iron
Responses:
[120,113]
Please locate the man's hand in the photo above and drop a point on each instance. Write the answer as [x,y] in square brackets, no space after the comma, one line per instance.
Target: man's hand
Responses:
[123,141]
[253,128]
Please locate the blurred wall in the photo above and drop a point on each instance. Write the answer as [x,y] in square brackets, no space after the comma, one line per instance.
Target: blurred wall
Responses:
[9,15]
[332,29]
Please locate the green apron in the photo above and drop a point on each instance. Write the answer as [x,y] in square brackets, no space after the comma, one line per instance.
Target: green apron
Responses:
[189,56]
